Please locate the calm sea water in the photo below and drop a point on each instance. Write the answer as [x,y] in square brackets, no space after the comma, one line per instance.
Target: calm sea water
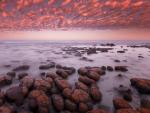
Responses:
[35,53]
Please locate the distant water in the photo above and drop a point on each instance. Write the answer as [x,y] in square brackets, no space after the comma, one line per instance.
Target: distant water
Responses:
[35,53]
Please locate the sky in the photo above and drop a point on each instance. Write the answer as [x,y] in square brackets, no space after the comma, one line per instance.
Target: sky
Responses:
[74,19]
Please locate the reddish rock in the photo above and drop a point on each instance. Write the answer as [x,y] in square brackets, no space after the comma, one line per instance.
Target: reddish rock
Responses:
[43,85]
[80,85]
[83,71]
[93,75]
[97,111]
[67,93]
[7,109]
[86,80]
[27,82]
[95,93]
[127,111]
[70,106]
[143,110]
[16,94]
[58,102]
[120,103]
[2,98]
[145,103]
[83,108]
[62,73]
[80,96]
[22,75]
[62,84]
[51,75]
[142,85]
[39,101]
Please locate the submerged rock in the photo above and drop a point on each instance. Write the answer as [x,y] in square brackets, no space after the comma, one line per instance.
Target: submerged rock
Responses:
[121,68]
[5,80]
[21,68]
[47,66]
[62,73]
[11,74]
[22,75]
[109,68]
[142,85]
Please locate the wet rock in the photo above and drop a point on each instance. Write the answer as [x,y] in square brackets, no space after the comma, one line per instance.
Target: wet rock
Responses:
[83,71]
[65,111]
[67,93]
[16,94]
[91,51]
[145,103]
[121,68]
[70,106]
[62,84]
[121,51]
[22,75]
[127,111]
[127,96]
[143,110]
[58,102]
[54,89]
[80,96]
[116,60]
[109,68]
[95,93]
[83,108]
[22,68]
[80,85]
[44,85]
[58,66]
[62,73]
[51,75]
[104,68]
[142,85]
[86,80]
[38,101]
[97,111]
[27,82]
[69,70]
[11,74]
[93,75]
[86,59]
[24,111]
[47,66]
[5,80]
[7,109]
[2,98]
[97,70]
[120,103]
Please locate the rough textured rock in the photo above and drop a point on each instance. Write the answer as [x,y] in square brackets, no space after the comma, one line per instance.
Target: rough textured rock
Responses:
[143,110]
[11,74]
[21,68]
[93,75]
[43,85]
[16,94]
[27,82]
[145,103]
[95,93]
[58,102]
[97,111]
[80,85]
[51,75]
[47,66]
[80,96]
[22,75]
[142,85]
[2,98]
[83,71]
[70,106]
[62,73]
[38,101]
[62,84]
[127,111]
[109,68]
[83,108]
[5,80]
[86,80]
[120,103]
[7,109]
[67,93]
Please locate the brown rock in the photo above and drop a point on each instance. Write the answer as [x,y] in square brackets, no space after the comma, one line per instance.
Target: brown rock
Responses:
[22,75]
[62,73]
[11,74]
[97,111]
[95,93]
[127,111]
[27,82]
[83,71]
[16,94]
[7,109]
[120,103]
[5,80]
[83,108]
[47,66]
[80,85]
[93,75]
[86,80]
[142,85]
[21,68]
[58,102]
[80,96]
[67,93]
[62,84]
[39,101]
[70,106]
[145,103]
[2,98]
[143,110]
